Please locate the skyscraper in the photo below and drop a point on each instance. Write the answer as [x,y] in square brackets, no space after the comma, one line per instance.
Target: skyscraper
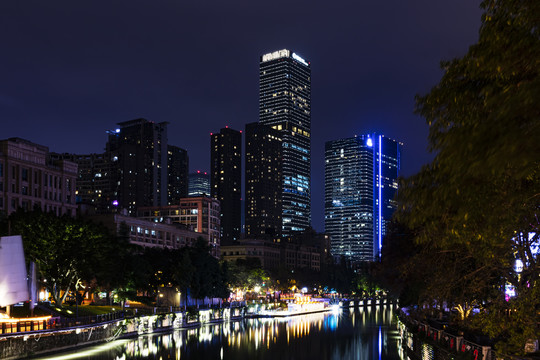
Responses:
[360,183]
[263,209]
[199,184]
[226,178]
[285,105]
[178,167]
[138,152]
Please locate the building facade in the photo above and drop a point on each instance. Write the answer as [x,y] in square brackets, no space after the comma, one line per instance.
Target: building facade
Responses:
[285,105]
[138,154]
[263,209]
[268,252]
[199,184]
[200,214]
[177,170]
[147,233]
[274,255]
[93,181]
[360,183]
[30,178]
[226,180]
[387,165]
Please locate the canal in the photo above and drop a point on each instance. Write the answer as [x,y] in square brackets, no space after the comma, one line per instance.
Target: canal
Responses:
[365,333]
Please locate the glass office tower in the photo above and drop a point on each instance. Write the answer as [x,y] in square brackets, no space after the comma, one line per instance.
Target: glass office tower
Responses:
[285,105]
[199,184]
[360,184]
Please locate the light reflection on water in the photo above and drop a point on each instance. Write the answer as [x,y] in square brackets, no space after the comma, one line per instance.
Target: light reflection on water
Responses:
[369,333]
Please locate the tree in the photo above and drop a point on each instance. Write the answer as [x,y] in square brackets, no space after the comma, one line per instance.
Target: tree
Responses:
[117,264]
[183,271]
[66,250]
[207,279]
[476,204]
[400,271]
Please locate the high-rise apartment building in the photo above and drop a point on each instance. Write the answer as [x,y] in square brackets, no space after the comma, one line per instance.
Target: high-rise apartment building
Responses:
[178,168]
[199,184]
[138,154]
[263,181]
[285,105]
[135,170]
[226,178]
[360,183]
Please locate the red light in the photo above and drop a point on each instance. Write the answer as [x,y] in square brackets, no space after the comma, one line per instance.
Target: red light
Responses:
[226,126]
[240,131]
[211,134]
[198,171]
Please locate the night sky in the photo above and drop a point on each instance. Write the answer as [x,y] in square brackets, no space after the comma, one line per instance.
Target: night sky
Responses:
[70,70]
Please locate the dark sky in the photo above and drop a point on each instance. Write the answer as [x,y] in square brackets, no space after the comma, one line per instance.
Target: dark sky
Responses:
[69,70]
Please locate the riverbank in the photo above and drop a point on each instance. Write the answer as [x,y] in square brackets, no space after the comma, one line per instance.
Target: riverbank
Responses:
[49,340]
[34,343]
[353,333]
[422,341]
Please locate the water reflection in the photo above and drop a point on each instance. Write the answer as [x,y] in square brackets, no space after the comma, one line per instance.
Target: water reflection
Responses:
[369,333]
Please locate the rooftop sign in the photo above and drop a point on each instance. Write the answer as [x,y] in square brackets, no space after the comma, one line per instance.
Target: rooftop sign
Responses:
[276,55]
[299,59]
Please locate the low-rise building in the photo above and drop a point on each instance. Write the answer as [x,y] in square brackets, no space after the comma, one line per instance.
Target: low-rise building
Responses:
[268,252]
[30,178]
[202,214]
[149,233]
[273,254]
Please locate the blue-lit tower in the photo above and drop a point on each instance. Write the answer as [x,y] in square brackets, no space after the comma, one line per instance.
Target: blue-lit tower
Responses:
[360,184]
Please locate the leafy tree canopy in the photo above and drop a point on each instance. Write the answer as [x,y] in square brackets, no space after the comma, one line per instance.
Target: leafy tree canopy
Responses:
[66,250]
[474,207]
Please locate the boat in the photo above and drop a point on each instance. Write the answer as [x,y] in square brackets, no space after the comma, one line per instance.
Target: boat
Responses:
[299,305]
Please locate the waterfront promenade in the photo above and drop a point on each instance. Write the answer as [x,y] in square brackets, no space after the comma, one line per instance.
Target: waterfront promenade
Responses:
[26,338]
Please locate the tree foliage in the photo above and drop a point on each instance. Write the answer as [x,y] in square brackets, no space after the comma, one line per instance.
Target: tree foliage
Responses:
[475,205]
[192,269]
[247,273]
[66,250]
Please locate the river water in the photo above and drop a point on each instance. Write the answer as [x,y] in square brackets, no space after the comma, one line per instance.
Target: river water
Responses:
[365,333]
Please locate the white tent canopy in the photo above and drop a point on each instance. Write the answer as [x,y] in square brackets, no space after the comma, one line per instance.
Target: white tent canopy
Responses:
[13,279]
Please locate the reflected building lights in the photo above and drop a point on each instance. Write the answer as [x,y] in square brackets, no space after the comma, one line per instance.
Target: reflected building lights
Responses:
[252,336]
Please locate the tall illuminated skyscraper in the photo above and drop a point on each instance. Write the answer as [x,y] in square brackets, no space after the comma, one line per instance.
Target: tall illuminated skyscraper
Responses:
[360,184]
[285,105]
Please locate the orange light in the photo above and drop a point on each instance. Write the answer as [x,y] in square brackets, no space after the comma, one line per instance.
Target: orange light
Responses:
[15,320]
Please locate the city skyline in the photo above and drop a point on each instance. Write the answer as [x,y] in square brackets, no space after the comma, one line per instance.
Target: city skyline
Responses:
[180,64]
